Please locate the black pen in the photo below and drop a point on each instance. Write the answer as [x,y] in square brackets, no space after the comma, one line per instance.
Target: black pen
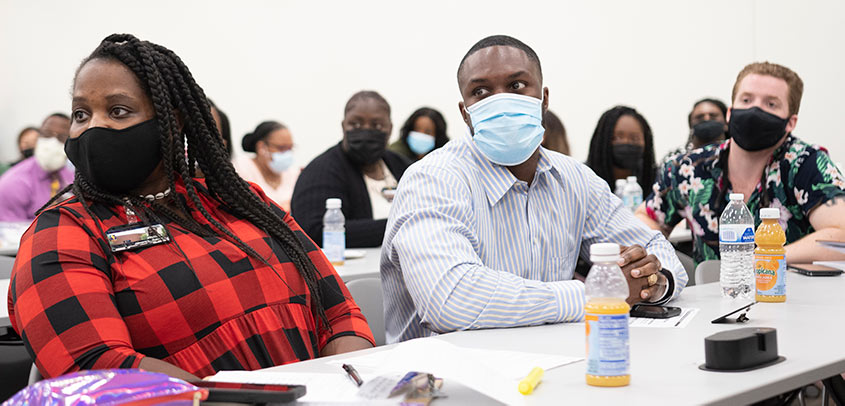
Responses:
[353,374]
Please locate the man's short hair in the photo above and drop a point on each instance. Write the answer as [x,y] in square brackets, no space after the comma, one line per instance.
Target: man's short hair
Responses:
[794,83]
[503,40]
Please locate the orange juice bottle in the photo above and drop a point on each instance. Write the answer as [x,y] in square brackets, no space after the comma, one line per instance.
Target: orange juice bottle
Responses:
[770,258]
[608,357]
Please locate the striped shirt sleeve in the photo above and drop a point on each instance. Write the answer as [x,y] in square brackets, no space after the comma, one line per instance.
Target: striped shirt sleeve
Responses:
[450,286]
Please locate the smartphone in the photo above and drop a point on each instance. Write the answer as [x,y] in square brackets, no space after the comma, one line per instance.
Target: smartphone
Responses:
[742,318]
[815,270]
[250,393]
[654,311]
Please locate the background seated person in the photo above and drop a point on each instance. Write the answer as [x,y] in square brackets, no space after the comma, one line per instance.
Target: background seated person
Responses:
[423,132]
[358,170]
[554,138]
[229,282]
[29,184]
[707,125]
[622,146]
[272,168]
[763,161]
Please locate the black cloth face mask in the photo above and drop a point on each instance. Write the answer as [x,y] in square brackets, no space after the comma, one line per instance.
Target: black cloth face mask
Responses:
[116,161]
[628,156]
[708,131]
[27,153]
[365,147]
[755,130]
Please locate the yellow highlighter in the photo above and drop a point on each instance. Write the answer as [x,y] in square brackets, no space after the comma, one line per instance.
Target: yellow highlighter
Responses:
[527,384]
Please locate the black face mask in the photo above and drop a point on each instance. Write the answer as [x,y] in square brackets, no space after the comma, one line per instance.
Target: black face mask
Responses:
[708,131]
[628,156]
[28,152]
[116,161]
[365,147]
[755,130]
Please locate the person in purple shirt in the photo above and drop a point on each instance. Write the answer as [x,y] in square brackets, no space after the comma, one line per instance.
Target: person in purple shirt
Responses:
[31,183]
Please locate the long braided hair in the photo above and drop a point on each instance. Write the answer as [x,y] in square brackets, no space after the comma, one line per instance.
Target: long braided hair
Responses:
[600,158]
[172,89]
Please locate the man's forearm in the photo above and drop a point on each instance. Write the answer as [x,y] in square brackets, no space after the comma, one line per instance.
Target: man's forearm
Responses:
[642,214]
[807,250]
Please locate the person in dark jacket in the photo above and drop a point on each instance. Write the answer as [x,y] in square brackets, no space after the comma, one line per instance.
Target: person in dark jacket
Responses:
[359,170]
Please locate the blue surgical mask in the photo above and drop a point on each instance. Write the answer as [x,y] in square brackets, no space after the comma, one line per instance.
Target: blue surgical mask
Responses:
[281,161]
[420,143]
[507,127]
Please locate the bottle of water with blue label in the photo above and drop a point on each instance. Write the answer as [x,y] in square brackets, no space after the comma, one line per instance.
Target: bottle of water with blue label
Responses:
[736,248]
[632,194]
[334,232]
[606,319]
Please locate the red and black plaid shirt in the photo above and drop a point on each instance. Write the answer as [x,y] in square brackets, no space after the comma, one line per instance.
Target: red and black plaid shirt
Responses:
[216,309]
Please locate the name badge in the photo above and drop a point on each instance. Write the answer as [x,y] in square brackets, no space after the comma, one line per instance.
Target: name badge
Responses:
[134,236]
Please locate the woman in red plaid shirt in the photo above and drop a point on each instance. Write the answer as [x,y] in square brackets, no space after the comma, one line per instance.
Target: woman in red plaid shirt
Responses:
[148,267]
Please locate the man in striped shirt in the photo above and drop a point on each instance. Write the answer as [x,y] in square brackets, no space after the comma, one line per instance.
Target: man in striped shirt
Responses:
[486,231]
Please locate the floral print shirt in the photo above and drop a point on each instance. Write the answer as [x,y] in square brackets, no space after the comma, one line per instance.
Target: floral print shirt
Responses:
[691,186]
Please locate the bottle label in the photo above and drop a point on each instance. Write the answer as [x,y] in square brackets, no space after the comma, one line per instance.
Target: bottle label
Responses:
[334,244]
[770,272]
[607,344]
[736,233]
[632,201]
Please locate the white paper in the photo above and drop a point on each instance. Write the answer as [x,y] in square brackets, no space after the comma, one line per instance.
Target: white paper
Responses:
[833,264]
[679,321]
[4,288]
[319,387]
[491,372]
[838,246]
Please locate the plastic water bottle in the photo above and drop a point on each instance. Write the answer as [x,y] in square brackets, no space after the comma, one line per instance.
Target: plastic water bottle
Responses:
[620,187]
[632,195]
[608,357]
[736,247]
[334,232]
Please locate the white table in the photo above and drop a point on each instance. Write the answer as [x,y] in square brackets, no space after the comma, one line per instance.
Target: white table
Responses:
[4,307]
[359,268]
[664,362]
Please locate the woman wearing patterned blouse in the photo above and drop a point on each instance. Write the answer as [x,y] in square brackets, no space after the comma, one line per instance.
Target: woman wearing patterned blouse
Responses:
[147,266]
[764,162]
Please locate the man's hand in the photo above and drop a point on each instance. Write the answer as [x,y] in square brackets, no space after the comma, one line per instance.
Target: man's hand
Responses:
[638,266]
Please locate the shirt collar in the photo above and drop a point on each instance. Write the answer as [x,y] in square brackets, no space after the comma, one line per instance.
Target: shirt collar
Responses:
[497,179]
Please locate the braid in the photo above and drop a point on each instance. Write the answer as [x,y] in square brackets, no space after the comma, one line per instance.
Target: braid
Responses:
[172,88]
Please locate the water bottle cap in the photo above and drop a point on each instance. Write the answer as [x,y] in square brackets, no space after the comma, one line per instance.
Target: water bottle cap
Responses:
[333,203]
[737,196]
[632,179]
[770,213]
[606,252]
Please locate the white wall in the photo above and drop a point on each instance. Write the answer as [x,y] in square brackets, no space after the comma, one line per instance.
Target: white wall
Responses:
[298,62]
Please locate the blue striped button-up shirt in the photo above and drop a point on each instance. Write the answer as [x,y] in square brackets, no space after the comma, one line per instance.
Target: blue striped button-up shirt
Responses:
[468,245]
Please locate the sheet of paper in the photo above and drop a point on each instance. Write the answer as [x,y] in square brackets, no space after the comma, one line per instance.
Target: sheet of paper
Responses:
[319,387]
[491,372]
[834,245]
[679,321]
[4,288]
[833,264]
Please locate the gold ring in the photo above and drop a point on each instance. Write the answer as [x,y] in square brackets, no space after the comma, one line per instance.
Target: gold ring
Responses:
[652,279]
